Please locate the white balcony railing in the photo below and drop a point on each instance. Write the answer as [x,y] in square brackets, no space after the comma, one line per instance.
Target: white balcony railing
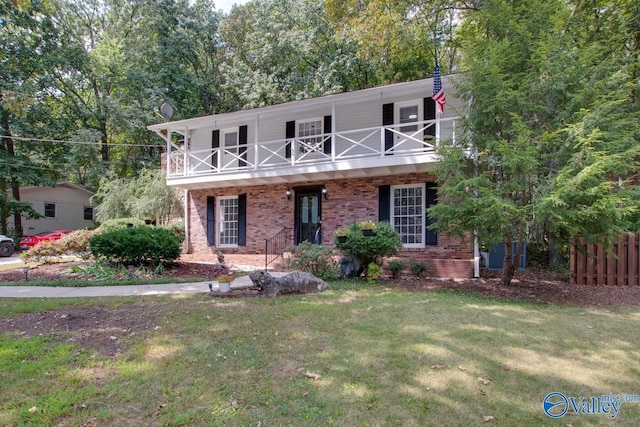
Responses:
[408,140]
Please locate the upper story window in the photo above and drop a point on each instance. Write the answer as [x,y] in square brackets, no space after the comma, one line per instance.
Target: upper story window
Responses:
[408,112]
[230,139]
[49,210]
[309,135]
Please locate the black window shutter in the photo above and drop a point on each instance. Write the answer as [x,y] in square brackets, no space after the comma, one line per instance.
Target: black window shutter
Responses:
[430,114]
[211,220]
[327,129]
[242,220]
[290,133]
[432,199]
[242,142]
[387,119]
[215,144]
[384,203]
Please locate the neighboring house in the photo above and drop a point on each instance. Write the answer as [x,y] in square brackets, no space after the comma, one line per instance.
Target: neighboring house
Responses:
[65,206]
[315,165]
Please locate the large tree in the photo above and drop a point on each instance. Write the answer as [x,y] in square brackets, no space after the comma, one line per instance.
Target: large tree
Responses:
[278,51]
[488,186]
[28,48]
[595,194]
[552,125]
[402,39]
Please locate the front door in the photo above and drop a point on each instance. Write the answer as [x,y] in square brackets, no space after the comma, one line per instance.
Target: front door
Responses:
[308,216]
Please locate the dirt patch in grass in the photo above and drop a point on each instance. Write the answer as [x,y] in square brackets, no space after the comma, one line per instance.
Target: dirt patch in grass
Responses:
[101,329]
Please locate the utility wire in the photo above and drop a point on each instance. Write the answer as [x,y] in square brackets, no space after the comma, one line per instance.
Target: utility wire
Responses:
[77,142]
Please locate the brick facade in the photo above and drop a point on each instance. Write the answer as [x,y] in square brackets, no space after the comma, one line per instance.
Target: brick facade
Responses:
[269,211]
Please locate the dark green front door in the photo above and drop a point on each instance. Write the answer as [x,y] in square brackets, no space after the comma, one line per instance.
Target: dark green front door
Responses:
[308,216]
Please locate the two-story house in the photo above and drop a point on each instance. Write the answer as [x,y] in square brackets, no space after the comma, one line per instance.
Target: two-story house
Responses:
[303,169]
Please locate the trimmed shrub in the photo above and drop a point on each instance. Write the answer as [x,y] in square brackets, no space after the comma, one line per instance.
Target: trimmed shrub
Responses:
[117,224]
[136,245]
[396,266]
[383,242]
[315,259]
[419,268]
[176,227]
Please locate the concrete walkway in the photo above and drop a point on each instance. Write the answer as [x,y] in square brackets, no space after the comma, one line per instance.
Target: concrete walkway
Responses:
[111,291]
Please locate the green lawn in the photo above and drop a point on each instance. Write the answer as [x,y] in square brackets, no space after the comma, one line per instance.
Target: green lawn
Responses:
[346,357]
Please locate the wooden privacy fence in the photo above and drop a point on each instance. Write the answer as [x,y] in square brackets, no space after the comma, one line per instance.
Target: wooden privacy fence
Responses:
[592,265]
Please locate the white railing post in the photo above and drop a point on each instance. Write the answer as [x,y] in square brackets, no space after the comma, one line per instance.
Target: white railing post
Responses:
[255,143]
[333,131]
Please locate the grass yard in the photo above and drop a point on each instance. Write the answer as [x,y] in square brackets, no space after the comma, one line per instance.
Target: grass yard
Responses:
[346,357]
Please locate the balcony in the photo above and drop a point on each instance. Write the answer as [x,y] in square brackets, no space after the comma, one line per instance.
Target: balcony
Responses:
[375,151]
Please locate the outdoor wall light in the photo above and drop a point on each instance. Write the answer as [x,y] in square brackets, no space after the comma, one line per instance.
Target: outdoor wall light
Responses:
[325,193]
[288,193]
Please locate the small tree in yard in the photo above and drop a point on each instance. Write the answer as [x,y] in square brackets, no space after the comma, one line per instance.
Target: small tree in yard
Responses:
[383,242]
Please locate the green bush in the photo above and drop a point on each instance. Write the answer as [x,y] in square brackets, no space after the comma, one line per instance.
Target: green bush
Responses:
[117,224]
[374,272]
[419,268]
[136,245]
[176,227]
[396,266]
[315,259]
[384,242]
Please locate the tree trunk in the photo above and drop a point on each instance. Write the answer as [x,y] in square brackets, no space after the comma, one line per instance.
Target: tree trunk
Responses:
[6,145]
[17,216]
[508,268]
[511,261]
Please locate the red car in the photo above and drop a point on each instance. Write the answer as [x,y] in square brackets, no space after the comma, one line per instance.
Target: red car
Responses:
[30,241]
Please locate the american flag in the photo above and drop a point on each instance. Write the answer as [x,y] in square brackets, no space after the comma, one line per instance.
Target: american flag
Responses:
[438,92]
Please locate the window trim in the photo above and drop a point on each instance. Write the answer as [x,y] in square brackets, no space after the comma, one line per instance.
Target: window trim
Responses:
[411,103]
[55,210]
[84,213]
[318,144]
[220,228]
[423,210]
[225,132]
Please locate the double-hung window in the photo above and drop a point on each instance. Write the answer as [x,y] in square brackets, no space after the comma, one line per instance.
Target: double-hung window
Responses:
[228,221]
[87,213]
[309,135]
[49,210]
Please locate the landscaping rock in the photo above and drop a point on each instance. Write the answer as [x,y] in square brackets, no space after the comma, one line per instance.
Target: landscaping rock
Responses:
[297,282]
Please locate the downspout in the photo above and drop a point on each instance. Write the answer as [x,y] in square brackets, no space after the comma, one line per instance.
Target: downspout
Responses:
[476,245]
[187,233]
